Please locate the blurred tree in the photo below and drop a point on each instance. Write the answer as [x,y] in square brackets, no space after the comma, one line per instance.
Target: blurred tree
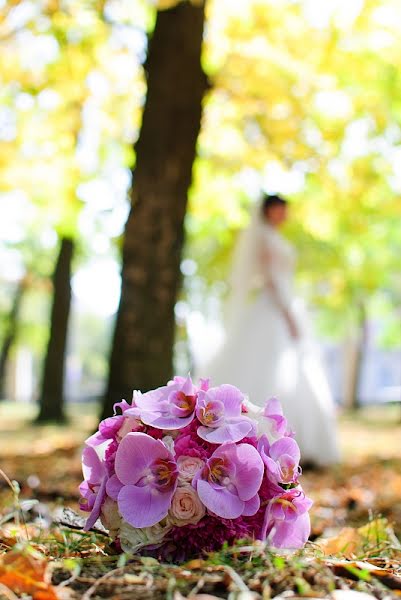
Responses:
[142,352]
[52,389]
[46,104]
[10,333]
[305,100]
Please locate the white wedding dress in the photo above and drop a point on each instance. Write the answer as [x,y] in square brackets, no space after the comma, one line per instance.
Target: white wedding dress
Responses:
[261,358]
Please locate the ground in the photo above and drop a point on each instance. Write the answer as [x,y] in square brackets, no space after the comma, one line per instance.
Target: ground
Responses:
[357,507]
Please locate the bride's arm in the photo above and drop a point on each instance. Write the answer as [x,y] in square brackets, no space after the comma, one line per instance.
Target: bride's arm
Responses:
[267,259]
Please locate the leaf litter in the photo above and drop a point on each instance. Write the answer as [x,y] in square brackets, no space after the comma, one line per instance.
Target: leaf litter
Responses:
[354,553]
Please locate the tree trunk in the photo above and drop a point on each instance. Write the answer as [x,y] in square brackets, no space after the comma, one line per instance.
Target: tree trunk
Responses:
[142,349]
[11,334]
[355,356]
[52,391]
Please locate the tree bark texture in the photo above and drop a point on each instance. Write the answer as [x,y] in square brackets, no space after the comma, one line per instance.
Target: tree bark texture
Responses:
[10,334]
[52,390]
[142,349]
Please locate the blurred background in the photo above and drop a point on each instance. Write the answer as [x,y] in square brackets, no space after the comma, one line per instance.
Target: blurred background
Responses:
[298,97]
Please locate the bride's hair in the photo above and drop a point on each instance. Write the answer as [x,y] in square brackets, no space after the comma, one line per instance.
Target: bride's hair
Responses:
[273,200]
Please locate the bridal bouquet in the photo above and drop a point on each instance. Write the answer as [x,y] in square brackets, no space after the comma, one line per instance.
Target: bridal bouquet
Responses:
[185,468]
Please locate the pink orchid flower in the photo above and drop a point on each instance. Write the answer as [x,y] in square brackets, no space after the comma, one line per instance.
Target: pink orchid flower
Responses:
[203,383]
[219,410]
[114,428]
[93,488]
[169,407]
[145,480]
[281,459]
[228,484]
[287,522]
[275,425]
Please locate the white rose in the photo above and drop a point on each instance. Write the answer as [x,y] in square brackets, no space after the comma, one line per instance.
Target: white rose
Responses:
[188,466]
[133,539]
[168,441]
[186,507]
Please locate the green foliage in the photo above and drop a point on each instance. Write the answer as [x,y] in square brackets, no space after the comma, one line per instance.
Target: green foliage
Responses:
[71,90]
[313,96]
[305,99]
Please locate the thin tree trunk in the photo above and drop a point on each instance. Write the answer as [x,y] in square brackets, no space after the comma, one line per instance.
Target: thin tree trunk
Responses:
[142,349]
[52,390]
[11,333]
[355,359]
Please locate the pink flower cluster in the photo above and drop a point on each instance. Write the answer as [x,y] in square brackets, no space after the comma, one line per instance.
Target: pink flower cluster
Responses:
[185,468]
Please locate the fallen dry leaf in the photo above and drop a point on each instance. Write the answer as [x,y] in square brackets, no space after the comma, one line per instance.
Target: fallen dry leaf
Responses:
[351,542]
[23,572]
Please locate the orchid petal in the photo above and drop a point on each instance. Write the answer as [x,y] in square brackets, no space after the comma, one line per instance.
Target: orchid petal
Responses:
[92,467]
[251,506]
[221,502]
[93,517]
[141,506]
[231,397]
[169,422]
[250,471]
[133,411]
[187,387]
[95,440]
[229,432]
[135,453]
[204,384]
[291,535]
[272,407]
[149,402]
[113,487]
[123,405]
[285,445]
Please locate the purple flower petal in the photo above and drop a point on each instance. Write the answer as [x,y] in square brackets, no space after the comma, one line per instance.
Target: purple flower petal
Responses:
[209,410]
[187,387]
[221,502]
[92,467]
[251,506]
[229,432]
[272,407]
[290,535]
[149,401]
[284,446]
[123,405]
[87,498]
[133,411]
[113,487]
[169,407]
[142,506]
[93,517]
[228,483]
[249,475]
[204,384]
[264,446]
[110,426]
[169,422]
[135,453]
[231,397]
[95,440]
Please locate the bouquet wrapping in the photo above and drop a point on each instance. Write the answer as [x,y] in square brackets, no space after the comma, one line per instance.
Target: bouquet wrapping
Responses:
[185,468]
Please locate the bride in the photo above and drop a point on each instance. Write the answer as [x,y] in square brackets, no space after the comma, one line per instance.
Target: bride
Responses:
[269,350]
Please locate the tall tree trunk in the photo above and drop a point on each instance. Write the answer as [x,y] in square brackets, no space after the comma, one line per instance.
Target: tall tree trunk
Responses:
[52,390]
[142,349]
[10,334]
[355,355]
